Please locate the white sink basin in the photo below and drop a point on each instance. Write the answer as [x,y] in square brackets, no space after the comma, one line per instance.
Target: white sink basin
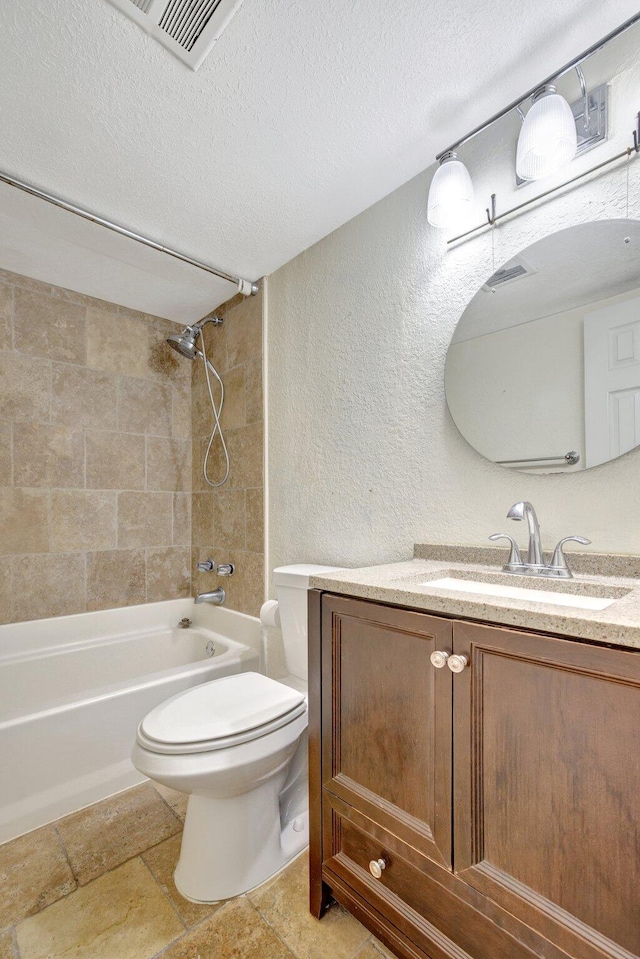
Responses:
[518,592]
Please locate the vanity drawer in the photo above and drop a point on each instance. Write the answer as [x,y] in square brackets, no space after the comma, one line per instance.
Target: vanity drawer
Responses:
[407,894]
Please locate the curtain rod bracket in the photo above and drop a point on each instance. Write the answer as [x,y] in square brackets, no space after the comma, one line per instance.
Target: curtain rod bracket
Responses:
[491,212]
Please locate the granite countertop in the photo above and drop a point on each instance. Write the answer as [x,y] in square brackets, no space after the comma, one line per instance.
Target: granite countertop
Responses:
[595,574]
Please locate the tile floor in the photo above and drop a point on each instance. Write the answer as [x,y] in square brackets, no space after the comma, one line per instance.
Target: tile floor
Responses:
[98,884]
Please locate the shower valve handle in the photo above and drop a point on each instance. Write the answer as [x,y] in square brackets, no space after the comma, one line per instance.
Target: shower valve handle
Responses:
[225,569]
[206,566]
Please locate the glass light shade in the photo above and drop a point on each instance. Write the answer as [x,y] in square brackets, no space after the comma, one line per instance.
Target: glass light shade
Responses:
[547,139]
[450,201]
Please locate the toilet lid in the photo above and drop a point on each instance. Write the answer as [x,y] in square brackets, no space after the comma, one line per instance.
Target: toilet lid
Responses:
[220,709]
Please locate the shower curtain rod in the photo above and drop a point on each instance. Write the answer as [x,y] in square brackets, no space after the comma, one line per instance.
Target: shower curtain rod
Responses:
[245,287]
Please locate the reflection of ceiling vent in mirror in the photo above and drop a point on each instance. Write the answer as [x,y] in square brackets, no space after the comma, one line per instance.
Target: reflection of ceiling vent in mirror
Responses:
[514,270]
[188,28]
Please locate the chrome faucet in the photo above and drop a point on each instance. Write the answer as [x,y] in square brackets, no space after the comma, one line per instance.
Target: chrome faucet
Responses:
[534,565]
[215,596]
[524,510]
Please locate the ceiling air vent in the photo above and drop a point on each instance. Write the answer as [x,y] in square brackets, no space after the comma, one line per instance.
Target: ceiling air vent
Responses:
[507,274]
[188,28]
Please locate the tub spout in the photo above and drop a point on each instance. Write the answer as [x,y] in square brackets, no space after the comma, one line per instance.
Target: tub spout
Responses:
[216,596]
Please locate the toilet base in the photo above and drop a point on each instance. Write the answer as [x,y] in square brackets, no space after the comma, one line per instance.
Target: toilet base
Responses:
[232,845]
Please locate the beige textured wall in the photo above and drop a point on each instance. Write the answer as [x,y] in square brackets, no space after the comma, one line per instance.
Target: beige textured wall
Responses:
[95,455]
[228,523]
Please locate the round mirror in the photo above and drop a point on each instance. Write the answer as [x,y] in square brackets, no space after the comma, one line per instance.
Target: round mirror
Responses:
[543,370]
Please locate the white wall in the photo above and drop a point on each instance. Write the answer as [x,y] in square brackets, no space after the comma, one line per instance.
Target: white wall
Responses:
[518,393]
[364,459]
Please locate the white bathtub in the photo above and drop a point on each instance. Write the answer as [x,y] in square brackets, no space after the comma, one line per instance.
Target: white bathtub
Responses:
[73,690]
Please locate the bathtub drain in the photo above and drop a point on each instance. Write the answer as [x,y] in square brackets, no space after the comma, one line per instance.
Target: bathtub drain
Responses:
[210,648]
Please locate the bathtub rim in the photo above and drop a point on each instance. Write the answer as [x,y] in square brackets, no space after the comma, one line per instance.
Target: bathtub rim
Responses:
[234,652]
[34,636]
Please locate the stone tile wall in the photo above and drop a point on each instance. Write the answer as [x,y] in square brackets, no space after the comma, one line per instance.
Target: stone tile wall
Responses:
[228,522]
[95,455]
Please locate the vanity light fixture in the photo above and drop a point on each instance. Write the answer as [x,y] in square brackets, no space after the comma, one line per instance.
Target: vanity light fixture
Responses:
[451,193]
[548,138]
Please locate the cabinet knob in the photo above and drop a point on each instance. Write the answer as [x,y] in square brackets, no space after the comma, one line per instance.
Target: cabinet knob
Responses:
[457,663]
[439,658]
[376,866]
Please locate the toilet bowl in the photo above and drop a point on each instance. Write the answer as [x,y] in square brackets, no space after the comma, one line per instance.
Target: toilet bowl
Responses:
[238,747]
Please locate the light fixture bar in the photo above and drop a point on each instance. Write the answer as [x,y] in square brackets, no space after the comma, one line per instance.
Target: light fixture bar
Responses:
[550,79]
[246,287]
[493,218]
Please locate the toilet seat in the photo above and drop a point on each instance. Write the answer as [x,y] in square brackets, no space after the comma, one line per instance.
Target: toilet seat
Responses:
[220,714]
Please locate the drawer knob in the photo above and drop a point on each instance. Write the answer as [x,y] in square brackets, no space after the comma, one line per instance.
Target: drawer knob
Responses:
[376,866]
[457,663]
[439,658]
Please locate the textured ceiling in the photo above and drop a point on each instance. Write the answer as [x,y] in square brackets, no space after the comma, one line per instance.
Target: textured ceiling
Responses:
[302,116]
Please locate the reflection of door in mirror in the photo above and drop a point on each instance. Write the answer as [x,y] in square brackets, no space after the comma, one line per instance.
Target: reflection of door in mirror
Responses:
[612,381]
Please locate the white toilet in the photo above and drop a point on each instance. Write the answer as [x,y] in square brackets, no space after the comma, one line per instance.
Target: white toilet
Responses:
[238,746]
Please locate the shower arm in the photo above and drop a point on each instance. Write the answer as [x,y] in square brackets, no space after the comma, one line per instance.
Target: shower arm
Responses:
[200,325]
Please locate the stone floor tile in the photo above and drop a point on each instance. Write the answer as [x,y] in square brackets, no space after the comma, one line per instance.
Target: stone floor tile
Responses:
[122,915]
[108,833]
[33,873]
[178,801]
[162,860]
[6,945]
[368,951]
[381,949]
[284,903]
[236,931]
[373,949]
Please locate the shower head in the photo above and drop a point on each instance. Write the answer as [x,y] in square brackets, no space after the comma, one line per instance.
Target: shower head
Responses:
[185,342]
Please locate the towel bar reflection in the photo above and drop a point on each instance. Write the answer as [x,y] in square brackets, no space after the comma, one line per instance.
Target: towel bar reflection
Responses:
[568,459]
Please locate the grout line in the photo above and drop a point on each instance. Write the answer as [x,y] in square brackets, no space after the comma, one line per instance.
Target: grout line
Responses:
[162,890]
[14,942]
[287,946]
[12,451]
[197,925]
[66,856]
[84,457]
[168,805]
[171,944]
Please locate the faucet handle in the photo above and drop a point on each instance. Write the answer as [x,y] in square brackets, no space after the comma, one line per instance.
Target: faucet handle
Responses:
[206,566]
[559,560]
[515,559]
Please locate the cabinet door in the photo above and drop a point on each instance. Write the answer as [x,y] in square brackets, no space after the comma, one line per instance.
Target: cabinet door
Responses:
[547,785]
[386,720]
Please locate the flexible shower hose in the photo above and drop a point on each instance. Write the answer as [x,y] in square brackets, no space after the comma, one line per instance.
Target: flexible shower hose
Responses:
[217,411]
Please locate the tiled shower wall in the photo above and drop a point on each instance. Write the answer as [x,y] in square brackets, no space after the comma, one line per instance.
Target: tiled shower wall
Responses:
[228,522]
[95,455]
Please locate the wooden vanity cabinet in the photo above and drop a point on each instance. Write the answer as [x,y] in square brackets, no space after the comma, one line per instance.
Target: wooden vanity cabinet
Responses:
[499,807]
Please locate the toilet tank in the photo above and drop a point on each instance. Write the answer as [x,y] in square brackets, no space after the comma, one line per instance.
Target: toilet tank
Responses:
[291,585]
